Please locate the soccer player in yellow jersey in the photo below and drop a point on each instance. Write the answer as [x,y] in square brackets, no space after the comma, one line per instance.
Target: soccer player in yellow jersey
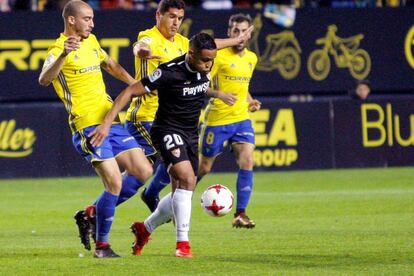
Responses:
[155,46]
[73,65]
[231,73]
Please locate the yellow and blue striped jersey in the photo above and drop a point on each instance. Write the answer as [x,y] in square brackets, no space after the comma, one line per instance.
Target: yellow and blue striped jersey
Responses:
[80,84]
[144,108]
[231,73]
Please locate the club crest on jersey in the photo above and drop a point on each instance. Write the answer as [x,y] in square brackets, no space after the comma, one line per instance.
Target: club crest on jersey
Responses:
[176,152]
[155,75]
[96,53]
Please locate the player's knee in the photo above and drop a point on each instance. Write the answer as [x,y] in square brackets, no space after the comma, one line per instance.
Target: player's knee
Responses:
[204,167]
[203,170]
[114,185]
[146,172]
[187,181]
[246,163]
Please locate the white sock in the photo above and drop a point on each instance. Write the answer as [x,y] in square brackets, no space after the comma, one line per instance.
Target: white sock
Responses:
[161,215]
[181,203]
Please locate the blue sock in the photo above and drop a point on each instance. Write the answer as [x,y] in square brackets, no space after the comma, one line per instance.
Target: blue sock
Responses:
[244,189]
[105,211]
[130,186]
[158,182]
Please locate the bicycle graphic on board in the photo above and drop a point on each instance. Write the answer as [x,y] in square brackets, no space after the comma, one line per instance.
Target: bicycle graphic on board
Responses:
[346,54]
[282,51]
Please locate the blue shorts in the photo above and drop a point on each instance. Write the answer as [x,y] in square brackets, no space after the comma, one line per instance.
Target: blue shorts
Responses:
[140,131]
[117,141]
[214,137]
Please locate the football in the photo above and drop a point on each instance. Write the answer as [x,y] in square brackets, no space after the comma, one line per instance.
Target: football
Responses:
[217,200]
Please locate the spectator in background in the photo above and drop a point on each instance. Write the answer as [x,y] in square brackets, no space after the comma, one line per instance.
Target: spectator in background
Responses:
[4,6]
[281,12]
[315,3]
[116,4]
[52,4]
[361,90]
[391,3]
[123,4]
[20,4]
[217,4]
[354,3]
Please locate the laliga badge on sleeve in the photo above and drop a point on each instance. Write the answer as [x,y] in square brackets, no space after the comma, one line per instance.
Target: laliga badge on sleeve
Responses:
[155,75]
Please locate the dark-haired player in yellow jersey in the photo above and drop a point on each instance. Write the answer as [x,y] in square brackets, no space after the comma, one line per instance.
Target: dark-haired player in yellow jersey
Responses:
[155,46]
[231,73]
[73,65]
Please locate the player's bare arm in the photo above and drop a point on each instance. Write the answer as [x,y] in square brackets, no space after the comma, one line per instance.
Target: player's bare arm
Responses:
[100,132]
[229,42]
[227,98]
[254,104]
[116,70]
[143,50]
[50,72]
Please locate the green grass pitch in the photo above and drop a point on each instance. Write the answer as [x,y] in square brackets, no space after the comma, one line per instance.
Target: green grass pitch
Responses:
[333,222]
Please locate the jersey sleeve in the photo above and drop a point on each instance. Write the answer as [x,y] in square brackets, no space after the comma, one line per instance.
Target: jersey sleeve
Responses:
[214,73]
[159,78]
[255,60]
[145,37]
[102,54]
[53,53]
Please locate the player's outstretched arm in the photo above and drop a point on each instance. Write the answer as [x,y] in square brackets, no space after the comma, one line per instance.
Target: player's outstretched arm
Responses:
[51,71]
[142,50]
[229,42]
[99,134]
[227,98]
[117,71]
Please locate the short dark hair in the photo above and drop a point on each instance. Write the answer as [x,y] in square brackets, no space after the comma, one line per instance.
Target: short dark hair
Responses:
[239,18]
[165,5]
[72,7]
[202,41]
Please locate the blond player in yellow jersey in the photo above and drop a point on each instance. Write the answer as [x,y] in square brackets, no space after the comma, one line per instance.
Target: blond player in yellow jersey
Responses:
[73,65]
[231,73]
[155,46]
